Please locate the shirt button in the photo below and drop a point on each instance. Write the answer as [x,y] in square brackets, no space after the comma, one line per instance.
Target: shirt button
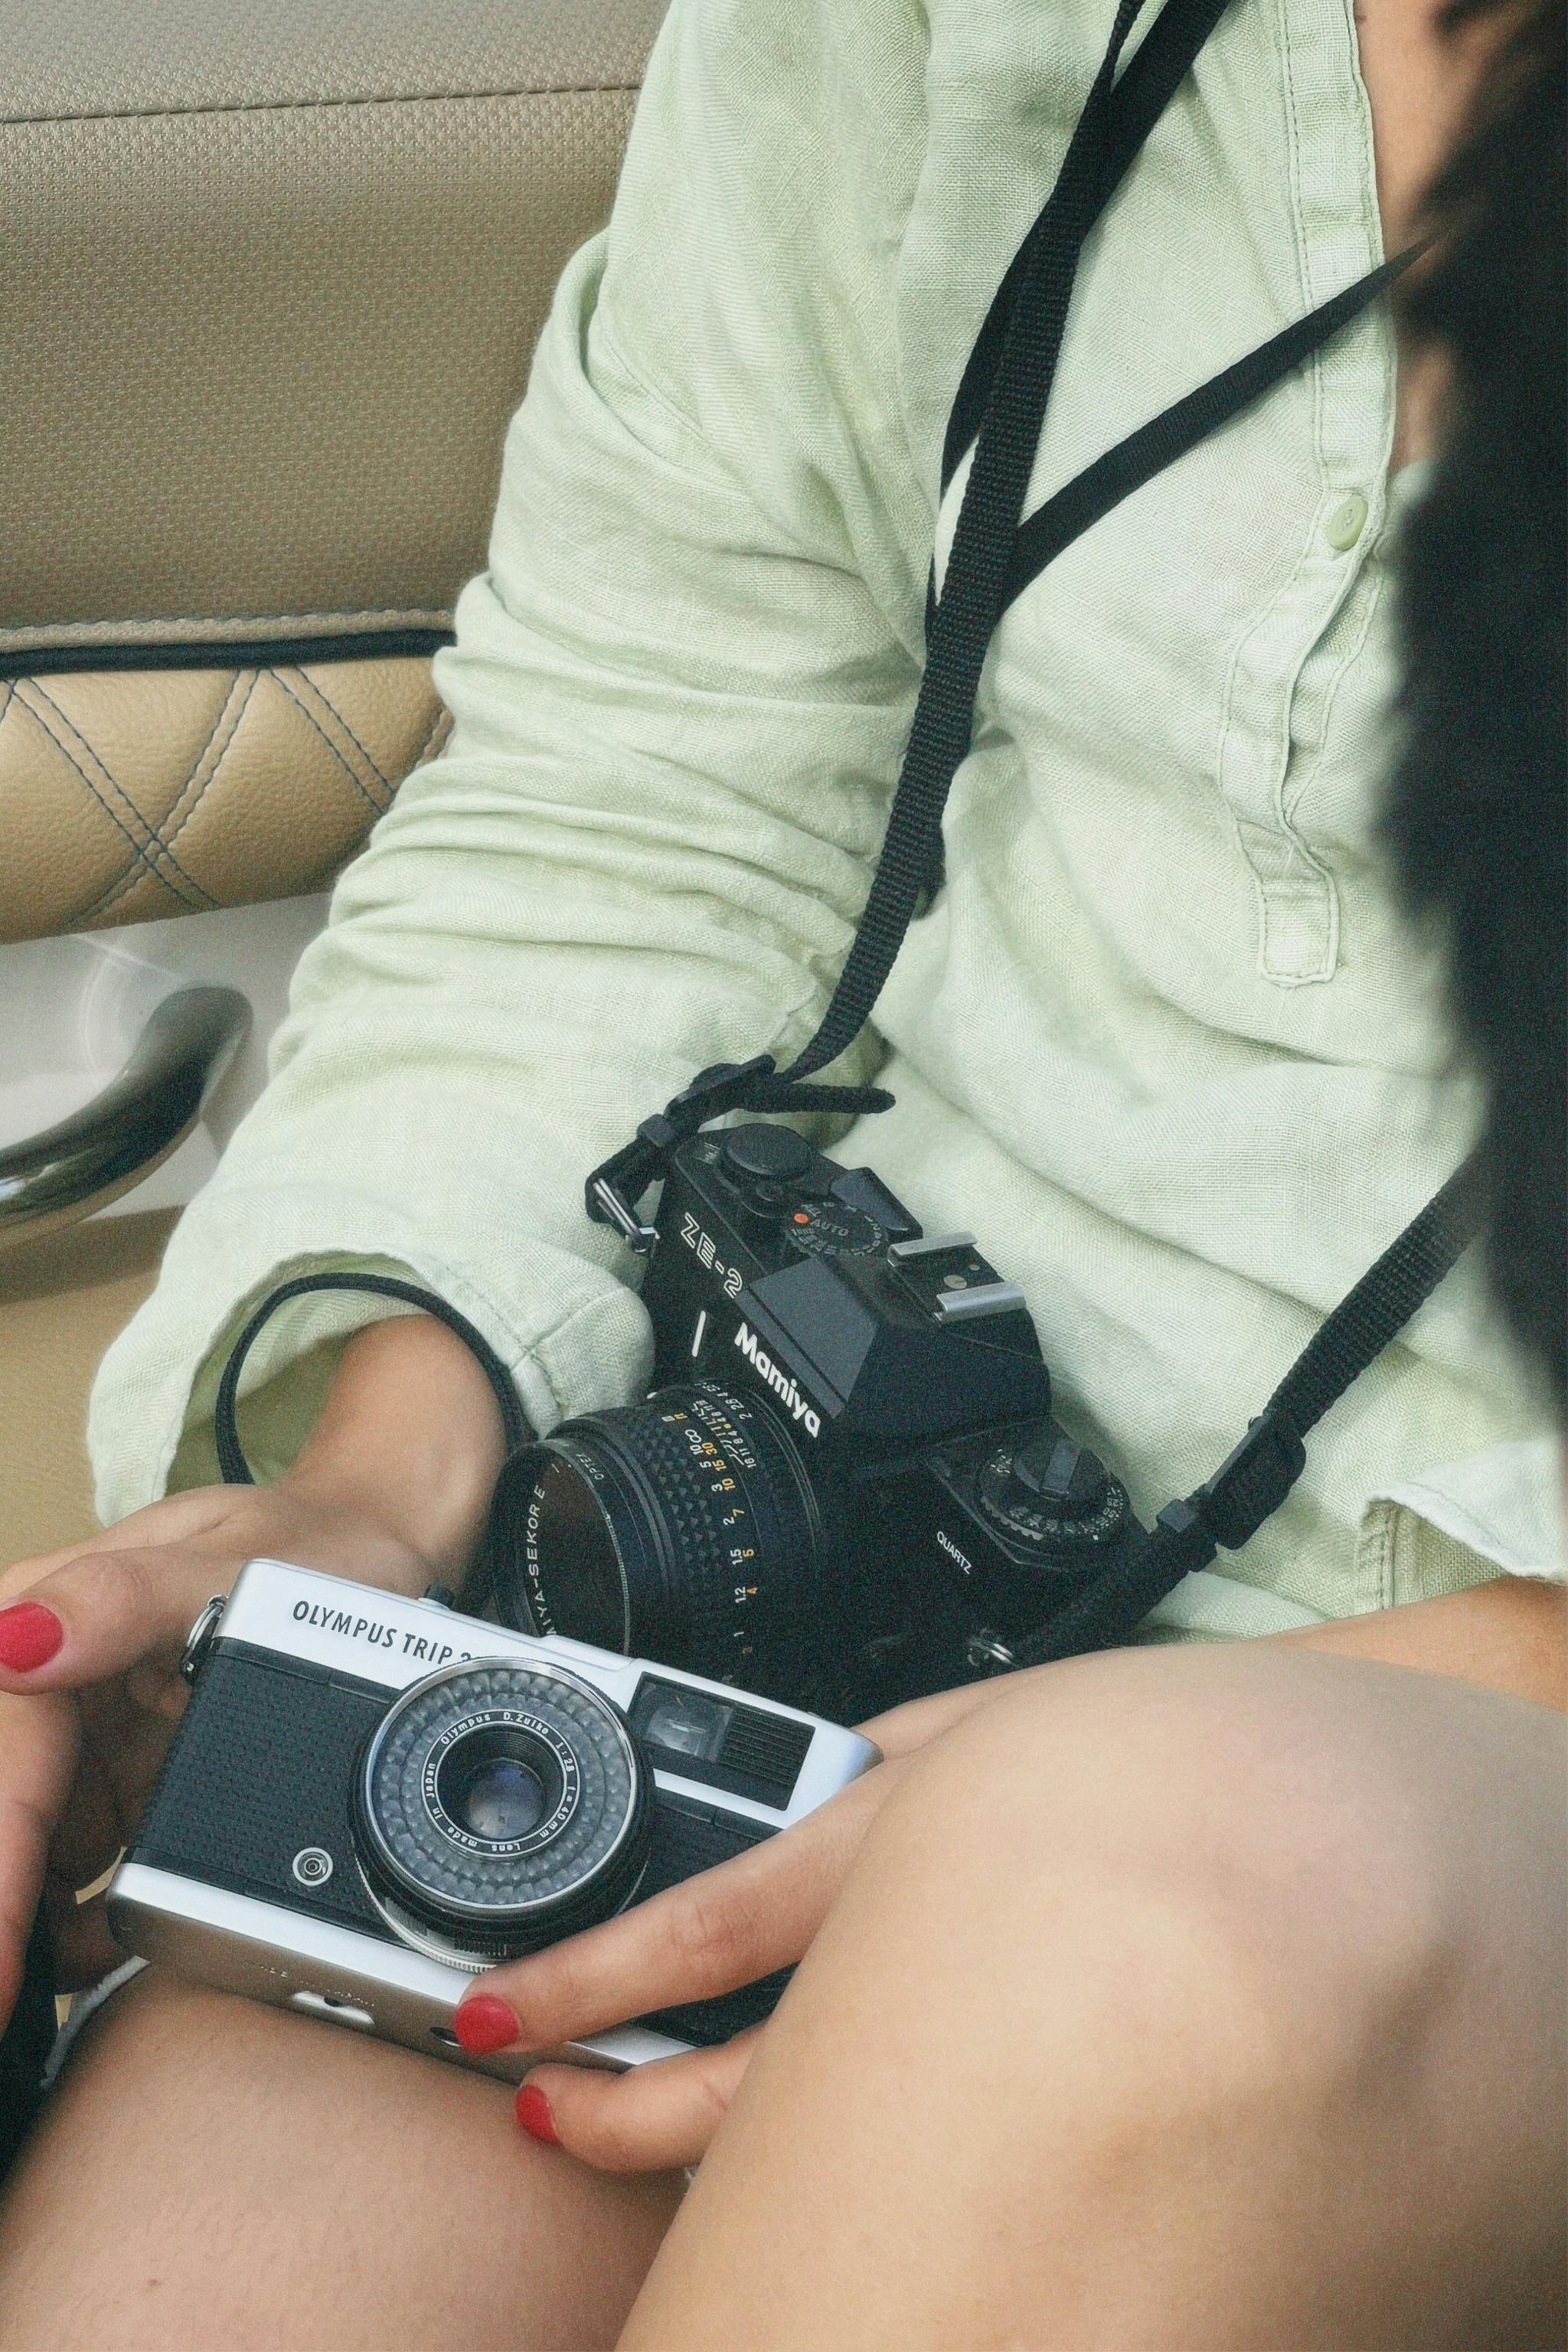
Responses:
[1347,522]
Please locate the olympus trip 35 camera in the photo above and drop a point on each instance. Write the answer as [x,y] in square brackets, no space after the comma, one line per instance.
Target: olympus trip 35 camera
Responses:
[368,1800]
[847,1488]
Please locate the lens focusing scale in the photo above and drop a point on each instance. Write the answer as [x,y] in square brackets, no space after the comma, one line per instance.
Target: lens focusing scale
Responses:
[692,1515]
[501,1805]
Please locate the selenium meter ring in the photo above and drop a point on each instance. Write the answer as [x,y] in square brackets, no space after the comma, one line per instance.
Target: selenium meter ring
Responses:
[499,1805]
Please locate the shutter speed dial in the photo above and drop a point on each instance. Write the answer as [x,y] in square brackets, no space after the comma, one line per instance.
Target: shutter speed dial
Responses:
[1053,1495]
[833,1229]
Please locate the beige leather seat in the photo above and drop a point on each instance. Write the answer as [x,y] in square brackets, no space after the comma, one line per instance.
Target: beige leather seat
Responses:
[271,274]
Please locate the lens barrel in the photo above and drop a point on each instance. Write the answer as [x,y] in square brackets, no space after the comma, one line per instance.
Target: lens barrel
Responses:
[685,1529]
[501,1805]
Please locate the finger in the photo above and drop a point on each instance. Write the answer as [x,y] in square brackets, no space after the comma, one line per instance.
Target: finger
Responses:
[37,1753]
[725,1927]
[25,1573]
[172,1520]
[98,1616]
[650,2119]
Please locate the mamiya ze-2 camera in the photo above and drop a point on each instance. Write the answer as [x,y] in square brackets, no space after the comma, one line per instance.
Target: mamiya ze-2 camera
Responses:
[368,1800]
[847,1488]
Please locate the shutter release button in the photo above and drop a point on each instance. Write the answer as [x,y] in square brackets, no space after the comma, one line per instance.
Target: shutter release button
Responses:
[772,1154]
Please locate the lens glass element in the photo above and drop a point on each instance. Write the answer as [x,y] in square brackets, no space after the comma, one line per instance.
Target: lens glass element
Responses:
[498,1784]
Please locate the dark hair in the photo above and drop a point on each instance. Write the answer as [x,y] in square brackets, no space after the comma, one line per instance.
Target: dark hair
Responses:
[1475,817]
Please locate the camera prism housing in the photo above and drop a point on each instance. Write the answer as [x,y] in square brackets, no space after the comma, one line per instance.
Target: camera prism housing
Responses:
[847,1488]
[368,1800]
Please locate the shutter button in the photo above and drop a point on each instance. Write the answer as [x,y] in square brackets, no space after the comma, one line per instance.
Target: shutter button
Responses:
[1347,522]
[765,1155]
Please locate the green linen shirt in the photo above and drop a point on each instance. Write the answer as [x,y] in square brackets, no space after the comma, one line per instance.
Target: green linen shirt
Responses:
[1161,1041]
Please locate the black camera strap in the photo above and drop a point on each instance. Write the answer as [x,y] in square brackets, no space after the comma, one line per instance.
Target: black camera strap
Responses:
[999,411]
[1250,1484]
[233,1468]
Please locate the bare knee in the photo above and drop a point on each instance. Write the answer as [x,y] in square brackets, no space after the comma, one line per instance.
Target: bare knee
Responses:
[1248,1857]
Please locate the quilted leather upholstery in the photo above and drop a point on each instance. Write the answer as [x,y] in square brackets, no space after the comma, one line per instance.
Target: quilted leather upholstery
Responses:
[271,276]
[126,796]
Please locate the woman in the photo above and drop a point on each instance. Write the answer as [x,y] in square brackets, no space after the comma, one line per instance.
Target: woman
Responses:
[1187,1996]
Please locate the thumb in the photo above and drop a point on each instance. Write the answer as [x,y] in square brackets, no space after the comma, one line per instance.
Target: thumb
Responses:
[100,1613]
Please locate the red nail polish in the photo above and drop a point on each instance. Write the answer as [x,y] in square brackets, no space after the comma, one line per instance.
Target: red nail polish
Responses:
[484,2024]
[533,2114]
[29,1636]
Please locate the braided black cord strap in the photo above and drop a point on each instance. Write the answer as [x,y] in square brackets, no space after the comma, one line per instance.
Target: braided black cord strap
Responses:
[231,1461]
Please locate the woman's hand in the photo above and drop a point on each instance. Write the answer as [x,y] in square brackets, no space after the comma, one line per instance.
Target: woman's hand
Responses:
[90,1640]
[389,1491]
[723,1928]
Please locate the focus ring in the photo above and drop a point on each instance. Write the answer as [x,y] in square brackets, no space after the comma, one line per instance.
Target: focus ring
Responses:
[697,1554]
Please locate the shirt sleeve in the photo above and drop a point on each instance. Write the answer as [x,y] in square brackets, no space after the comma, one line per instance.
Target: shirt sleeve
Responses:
[680,693]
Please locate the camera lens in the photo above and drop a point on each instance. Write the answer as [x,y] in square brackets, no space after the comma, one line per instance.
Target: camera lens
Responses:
[685,1529]
[499,1806]
[589,1598]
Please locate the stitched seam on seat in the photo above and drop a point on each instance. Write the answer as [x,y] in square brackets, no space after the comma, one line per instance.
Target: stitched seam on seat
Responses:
[310,718]
[442,719]
[157,848]
[206,781]
[118,890]
[375,766]
[143,854]
[321,105]
[233,621]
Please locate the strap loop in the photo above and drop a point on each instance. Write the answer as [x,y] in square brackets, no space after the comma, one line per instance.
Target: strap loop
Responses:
[617,1185]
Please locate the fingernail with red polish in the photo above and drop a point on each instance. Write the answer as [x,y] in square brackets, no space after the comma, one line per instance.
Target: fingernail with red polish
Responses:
[483,2024]
[533,2114]
[29,1636]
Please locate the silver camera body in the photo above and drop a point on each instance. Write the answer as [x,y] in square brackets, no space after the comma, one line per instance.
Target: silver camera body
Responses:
[370,1799]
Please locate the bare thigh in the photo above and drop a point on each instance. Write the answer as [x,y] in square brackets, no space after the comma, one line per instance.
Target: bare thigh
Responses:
[1206,2002]
[212,2174]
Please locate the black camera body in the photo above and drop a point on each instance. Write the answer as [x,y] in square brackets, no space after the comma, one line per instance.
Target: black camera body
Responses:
[846,1488]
